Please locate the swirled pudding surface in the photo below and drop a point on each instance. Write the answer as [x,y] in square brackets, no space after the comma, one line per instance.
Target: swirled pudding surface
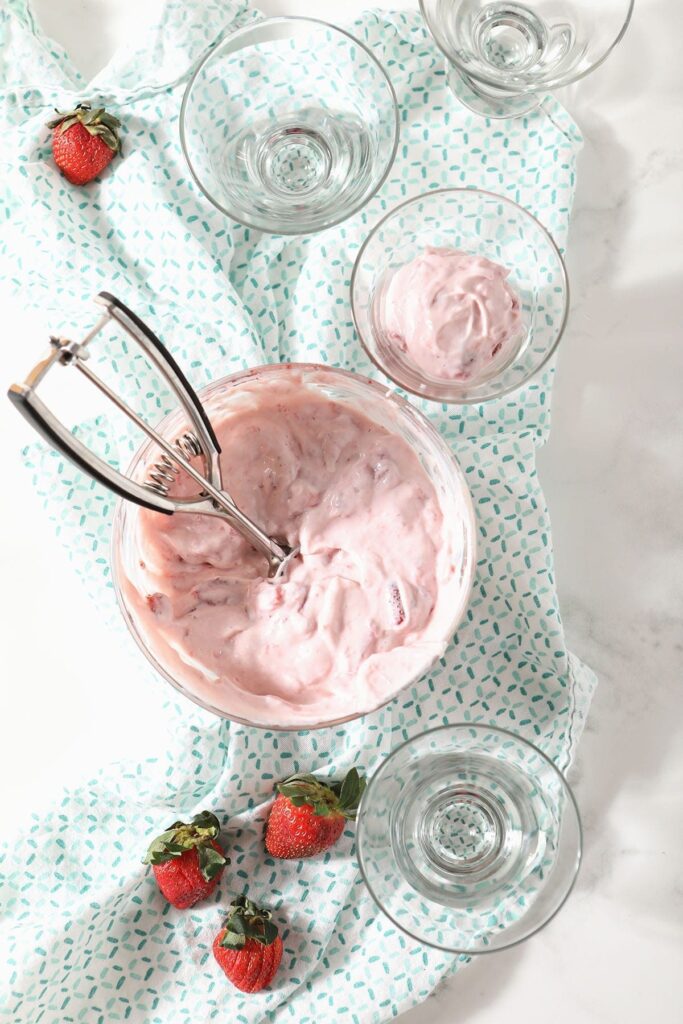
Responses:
[454,315]
[361,609]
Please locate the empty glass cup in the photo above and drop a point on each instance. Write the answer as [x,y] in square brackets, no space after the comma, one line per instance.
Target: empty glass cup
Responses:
[469,838]
[502,57]
[289,125]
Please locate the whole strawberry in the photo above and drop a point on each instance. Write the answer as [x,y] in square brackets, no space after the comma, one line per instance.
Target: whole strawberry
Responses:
[308,815]
[187,860]
[248,947]
[84,141]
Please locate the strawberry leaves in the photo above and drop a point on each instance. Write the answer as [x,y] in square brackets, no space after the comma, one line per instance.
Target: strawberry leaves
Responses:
[96,122]
[334,798]
[199,834]
[305,789]
[247,921]
[349,793]
[211,862]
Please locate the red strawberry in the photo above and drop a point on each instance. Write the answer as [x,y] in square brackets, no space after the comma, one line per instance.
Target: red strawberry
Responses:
[248,948]
[84,141]
[187,861]
[398,611]
[308,815]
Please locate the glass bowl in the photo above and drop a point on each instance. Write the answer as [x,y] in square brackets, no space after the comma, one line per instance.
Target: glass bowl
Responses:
[478,223]
[469,838]
[289,125]
[456,560]
[503,57]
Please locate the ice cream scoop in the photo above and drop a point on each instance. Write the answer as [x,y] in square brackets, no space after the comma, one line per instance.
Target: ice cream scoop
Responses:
[303,549]
[209,496]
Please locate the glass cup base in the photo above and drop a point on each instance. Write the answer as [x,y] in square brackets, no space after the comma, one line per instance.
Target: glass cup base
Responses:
[496,104]
[299,166]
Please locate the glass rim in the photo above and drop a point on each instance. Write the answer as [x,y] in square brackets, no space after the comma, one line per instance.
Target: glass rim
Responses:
[457,399]
[478,726]
[244,30]
[469,515]
[552,83]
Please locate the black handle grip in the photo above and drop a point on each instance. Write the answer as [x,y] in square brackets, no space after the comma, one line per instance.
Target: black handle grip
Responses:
[56,434]
[172,370]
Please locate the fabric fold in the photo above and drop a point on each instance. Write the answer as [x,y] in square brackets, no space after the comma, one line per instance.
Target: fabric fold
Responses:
[86,933]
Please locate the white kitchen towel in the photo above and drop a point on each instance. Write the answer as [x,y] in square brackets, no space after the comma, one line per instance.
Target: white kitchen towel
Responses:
[86,936]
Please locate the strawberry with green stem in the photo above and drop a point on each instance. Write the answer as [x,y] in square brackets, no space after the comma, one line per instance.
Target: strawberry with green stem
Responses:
[248,948]
[84,142]
[309,815]
[187,860]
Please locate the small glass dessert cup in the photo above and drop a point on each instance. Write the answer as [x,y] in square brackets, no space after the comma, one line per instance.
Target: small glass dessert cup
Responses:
[289,125]
[469,838]
[455,557]
[503,57]
[478,223]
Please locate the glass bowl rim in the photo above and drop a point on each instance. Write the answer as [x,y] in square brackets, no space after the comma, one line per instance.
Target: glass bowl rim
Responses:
[553,83]
[469,516]
[288,19]
[479,727]
[501,392]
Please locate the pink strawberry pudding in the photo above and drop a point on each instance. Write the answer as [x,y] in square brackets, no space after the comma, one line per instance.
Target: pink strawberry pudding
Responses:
[368,604]
[454,316]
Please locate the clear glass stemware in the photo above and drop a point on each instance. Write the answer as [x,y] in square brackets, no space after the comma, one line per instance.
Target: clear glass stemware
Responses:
[502,57]
[469,838]
[289,125]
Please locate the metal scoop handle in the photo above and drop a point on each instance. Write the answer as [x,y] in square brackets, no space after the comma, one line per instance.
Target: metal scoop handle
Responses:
[213,499]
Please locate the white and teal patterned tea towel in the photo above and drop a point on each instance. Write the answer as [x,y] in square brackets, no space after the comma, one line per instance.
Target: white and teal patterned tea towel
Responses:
[90,939]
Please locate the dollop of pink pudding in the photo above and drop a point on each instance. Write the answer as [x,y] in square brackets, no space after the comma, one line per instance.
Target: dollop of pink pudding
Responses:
[454,315]
[365,607]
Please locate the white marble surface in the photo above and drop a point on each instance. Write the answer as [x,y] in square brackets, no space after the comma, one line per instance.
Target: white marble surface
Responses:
[613,474]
